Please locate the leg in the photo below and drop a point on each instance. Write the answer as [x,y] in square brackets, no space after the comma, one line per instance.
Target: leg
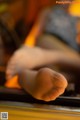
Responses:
[31,58]
[51,42]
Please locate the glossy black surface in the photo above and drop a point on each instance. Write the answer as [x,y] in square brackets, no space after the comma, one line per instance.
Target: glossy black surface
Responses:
[8,94]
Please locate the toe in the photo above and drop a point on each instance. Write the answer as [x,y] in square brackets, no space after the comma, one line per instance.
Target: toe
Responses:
[53,94]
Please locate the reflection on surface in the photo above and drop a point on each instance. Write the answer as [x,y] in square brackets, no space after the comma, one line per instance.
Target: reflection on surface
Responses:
[23,111]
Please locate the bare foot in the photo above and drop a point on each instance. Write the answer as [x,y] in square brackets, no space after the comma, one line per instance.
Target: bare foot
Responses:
[47,84]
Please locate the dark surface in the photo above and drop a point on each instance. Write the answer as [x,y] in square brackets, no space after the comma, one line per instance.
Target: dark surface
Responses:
[2,78]
[9,94]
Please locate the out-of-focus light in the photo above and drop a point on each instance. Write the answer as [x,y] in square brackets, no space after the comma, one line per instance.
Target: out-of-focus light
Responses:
[74,8]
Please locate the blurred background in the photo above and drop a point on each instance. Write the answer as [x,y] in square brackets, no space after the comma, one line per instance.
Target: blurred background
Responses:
[18,19]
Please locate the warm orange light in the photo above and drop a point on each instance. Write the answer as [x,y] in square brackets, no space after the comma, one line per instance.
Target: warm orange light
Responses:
[12,83]
[30,41]
[74,8]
